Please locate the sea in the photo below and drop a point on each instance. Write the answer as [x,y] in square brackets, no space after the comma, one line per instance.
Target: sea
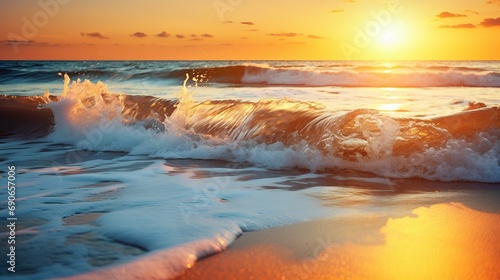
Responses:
[137,169]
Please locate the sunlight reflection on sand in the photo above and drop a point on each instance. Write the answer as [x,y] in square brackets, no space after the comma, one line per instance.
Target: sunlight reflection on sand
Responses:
[444,241]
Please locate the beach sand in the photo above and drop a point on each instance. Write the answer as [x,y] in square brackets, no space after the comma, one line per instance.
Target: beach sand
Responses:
[443,241]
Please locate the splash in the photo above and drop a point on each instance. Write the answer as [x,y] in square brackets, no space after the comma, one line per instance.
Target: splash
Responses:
[180,119]
[280,133]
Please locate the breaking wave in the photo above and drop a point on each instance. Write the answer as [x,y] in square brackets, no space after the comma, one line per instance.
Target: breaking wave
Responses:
[275,133]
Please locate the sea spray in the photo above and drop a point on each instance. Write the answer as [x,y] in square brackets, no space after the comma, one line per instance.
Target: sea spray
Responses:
[293,133]
[180,117]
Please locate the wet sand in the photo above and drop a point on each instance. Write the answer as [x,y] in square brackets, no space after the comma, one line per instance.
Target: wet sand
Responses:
[443,241]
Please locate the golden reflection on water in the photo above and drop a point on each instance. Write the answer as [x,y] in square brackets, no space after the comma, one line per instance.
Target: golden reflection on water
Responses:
[390,107]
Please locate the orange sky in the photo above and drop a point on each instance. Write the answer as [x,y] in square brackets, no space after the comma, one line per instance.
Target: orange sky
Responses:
[250,29]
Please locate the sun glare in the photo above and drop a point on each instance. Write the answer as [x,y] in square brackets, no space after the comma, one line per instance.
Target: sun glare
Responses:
[388,37]
[391,37]
[390,107]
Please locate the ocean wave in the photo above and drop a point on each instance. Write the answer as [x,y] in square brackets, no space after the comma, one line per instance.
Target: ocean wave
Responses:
[359,76]
[275,133]
[271,74]
[385,78]
[9,75]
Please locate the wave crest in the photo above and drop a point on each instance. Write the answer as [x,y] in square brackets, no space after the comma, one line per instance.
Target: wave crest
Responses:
[280,133]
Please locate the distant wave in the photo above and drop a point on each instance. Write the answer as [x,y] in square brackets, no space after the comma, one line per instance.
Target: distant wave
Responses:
[301,77]
[29,75]
[276,133]
[366,76]
[336,74]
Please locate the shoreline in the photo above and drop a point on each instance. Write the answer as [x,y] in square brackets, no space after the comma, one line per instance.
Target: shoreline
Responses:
[290,256]
[443,241]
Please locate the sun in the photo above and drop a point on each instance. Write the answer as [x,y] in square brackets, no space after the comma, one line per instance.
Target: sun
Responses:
[391,37]
[388,38]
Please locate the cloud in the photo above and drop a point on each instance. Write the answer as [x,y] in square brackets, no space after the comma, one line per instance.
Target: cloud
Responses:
[163,34]
[464,25]
[196,37]
[315,37]
[179,36]
[247,23]
[253,30]
[228,21]
[28,43]
[94,35]
[18,42]
[449,15]
[336,11]
[139,34]
[490,22]
[472,12]
[493,2]
[283,34]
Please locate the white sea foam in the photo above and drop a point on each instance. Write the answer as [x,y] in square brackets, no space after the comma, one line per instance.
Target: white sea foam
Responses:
[169,210]
[276,76]
[87,120]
